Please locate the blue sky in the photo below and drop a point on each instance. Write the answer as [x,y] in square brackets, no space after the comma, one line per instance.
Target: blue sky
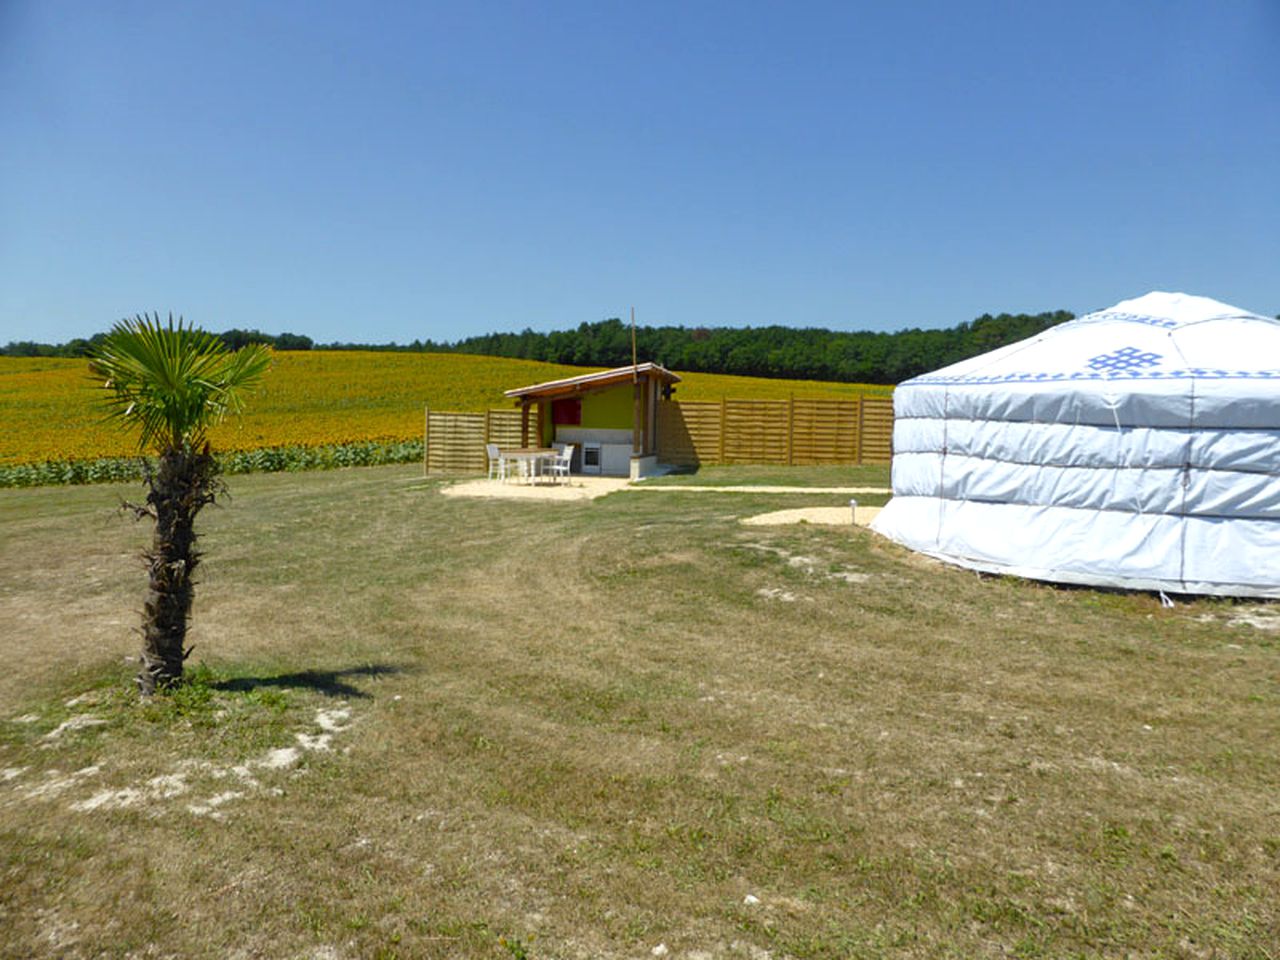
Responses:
[381,171]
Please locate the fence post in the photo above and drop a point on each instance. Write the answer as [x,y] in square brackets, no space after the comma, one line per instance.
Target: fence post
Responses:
[488,432]
[860,422]
[791,430]
[426,439]
[722,429]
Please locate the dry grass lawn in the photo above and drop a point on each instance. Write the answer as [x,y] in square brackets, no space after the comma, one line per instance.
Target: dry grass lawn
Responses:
[437,727]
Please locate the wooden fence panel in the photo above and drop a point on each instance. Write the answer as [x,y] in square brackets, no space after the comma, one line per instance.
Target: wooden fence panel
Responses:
[455,443]
[801,431]
[755,431]
[504,427]
[876,430]
[688,433]
[824,431]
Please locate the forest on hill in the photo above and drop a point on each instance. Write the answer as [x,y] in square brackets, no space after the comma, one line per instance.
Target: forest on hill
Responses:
[776,351]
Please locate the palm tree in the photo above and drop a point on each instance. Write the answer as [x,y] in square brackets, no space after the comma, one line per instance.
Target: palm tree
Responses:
[172,383]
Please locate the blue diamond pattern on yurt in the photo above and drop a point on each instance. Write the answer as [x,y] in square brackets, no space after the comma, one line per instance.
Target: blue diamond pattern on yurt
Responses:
[1124,360]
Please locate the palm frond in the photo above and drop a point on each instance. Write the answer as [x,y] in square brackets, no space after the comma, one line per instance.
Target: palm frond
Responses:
[172,381]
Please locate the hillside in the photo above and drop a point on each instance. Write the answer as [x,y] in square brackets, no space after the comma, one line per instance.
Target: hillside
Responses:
[315,398]
[806,353]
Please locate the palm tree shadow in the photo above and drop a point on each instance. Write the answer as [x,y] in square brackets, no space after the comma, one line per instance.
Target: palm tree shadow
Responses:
[331,683]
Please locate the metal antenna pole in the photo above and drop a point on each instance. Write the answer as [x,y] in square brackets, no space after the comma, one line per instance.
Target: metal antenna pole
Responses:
[635,363]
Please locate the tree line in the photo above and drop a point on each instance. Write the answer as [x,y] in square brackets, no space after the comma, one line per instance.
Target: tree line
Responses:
[794,353]
[81,347]
[775,351]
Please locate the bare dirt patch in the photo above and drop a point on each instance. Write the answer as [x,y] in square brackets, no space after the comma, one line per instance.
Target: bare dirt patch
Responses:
[79,722]
[811,567]
[187,776]
[1259,617]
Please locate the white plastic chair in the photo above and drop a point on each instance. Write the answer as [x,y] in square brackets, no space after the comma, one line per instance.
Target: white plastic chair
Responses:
[497,465]
[559,466]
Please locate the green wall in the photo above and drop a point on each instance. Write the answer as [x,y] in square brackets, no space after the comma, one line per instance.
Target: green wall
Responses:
[609,409]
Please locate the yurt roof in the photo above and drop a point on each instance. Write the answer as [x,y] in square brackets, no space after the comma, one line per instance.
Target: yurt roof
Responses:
[1159,336]
[1171,310]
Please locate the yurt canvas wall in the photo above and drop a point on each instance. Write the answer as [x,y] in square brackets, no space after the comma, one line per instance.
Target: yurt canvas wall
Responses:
[1136,447]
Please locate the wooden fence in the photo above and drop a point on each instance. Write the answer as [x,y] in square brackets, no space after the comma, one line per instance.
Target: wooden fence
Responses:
[454,442]
[796,431]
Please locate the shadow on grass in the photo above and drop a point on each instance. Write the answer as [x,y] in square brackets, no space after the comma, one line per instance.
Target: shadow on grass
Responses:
[332,683]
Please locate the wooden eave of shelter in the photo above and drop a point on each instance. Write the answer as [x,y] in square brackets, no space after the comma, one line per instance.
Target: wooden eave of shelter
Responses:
[574,386]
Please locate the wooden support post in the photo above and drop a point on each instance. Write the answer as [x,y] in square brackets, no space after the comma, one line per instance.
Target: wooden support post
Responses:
[537,433]
[646,394]
[652,406]
[791,430]
[524,422]
[426,440]
[646,441]
[488,419]
[637,418]
[655,400]
[723,403]
[858,426]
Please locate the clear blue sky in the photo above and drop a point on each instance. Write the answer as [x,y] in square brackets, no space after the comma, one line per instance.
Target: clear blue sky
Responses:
[380,171]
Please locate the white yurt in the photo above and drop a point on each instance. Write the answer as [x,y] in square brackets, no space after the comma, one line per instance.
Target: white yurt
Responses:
[1135,447]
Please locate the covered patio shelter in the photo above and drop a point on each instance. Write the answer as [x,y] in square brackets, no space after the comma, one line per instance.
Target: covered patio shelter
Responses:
[610,416]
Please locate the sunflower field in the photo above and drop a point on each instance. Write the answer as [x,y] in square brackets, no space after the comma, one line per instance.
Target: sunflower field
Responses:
[315,409]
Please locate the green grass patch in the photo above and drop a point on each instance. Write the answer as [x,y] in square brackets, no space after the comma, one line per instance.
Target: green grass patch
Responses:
[422,726]
[834,475]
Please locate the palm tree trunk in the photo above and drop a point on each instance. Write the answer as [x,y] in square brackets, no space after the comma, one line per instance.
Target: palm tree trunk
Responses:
[182,484]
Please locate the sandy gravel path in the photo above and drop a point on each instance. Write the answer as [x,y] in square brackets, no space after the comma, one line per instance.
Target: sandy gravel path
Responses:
[691,488]
[589,488]
[826,516]
[578,488]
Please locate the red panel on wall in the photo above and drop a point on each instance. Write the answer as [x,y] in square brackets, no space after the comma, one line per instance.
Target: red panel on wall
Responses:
[567,412]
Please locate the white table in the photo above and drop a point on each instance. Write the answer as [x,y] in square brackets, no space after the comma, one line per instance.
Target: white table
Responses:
[529,459]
